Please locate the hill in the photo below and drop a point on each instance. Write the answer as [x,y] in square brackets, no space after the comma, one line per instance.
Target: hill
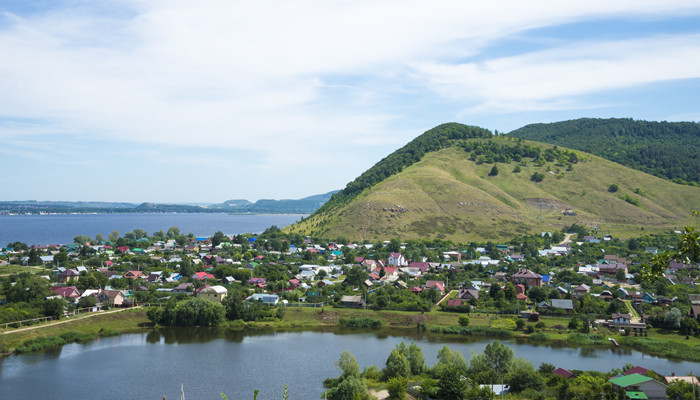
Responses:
[306,205]
[668,150]
[453,192]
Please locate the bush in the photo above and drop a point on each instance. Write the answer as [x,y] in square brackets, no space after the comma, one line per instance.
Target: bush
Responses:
[539,336]
[613,188]
[585,338]
[537,177]
[397,388]
[463,320]
[519,323]
[360,323]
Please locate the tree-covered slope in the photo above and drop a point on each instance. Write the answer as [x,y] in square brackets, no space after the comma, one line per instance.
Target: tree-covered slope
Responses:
[669,150]
[493,188]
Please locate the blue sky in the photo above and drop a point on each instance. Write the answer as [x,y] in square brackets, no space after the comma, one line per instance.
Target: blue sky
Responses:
[181,101]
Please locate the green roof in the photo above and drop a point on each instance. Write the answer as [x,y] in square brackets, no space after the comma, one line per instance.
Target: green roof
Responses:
[629,380]
[636,395]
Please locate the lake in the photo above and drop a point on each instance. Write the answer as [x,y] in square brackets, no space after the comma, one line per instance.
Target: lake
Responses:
[62,228]
[208,361]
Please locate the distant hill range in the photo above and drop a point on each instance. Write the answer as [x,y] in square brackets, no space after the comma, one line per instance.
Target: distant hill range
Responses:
[306,205]
[669,150]
[462,183]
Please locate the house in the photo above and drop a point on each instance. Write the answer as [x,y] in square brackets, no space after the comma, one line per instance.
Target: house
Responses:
[527,277]
[70,292]
[184,288]
[200,276]
[269,299]
[564,373]
[581,290]
[694,311]
[439,285]
[397,260]
[257,281]
[693,380]
[621,319]
[636,370]
[112,297]
[564,304]
[215,293]
[468,294]
[352,301]
[68,275]
[134,274]
[634,383]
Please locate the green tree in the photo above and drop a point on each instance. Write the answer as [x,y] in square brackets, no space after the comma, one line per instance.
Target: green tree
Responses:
[54,307]
[613,188]
[517,169]
[397,365]
[620,274]
[688,252]
[672,319]
[494,171]
[537,294]
[498,356]
[348,364]
[681,390]
[523,376]
[356,276]
[218,238]
[397,388]
[114,236]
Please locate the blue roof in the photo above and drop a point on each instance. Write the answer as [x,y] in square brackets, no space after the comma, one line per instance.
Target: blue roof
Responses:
[545,278]
[252,239]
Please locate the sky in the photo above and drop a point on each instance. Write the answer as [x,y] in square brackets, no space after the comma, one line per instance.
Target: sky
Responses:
[179,101]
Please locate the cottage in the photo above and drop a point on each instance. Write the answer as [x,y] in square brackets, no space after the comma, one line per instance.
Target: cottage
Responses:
[214,293]
[527,277]
[635,383]
[563,373]
[200,276]
[439,285]
[70,292]
[468,294]
[68,275]
[564,304]
[581,290]
[352,301]
[621,319]
[115,298]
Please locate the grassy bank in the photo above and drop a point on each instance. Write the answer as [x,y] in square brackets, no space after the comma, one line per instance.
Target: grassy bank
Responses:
[551,329]
[73,331]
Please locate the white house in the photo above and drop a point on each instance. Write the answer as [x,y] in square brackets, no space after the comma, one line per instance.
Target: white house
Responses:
[397,260]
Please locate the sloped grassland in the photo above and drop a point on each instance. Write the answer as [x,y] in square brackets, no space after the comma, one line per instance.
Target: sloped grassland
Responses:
[448,196]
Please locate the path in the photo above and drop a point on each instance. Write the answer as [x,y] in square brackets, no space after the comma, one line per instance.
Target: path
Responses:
[634,316]
[443,299]
[567,239]
[63,321]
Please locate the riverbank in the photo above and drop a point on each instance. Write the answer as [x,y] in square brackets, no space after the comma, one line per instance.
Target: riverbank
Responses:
[549,331]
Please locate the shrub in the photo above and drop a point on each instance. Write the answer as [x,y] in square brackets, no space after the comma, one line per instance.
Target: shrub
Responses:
[360,323]
[537,177]
[613,188]
[397,388]
[463,320]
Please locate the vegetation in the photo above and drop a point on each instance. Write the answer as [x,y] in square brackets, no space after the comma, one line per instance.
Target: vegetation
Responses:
[652,147]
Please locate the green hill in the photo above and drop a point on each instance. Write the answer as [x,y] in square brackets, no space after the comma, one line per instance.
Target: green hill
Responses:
[669,150]
[451,192]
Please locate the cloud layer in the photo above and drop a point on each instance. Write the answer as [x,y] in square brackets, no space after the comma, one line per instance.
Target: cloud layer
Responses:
[306,85]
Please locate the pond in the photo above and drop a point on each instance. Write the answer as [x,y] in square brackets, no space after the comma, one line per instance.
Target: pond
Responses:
[210,361]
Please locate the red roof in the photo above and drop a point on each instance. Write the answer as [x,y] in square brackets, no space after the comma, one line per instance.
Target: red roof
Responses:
[438,284]
[563,373]
[415,289]
[202,275]
[389,270]
[636,370]
[66,291]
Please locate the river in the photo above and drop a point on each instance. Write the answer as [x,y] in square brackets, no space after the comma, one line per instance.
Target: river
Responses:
[62,228]
[208,361]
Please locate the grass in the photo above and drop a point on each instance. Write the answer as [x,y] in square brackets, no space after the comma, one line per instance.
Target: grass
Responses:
[447,196]
[78,330]
[664,348]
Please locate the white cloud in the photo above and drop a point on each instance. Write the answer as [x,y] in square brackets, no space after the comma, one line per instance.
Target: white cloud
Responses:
[549,79]
[282,78]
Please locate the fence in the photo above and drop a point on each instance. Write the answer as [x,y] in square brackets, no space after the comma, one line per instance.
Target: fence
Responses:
[77,311]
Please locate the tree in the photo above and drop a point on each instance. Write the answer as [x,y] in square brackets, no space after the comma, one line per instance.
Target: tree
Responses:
[689,326]
[60,257]
[537,177]
[672,319]
[688,252]
[218,238]
[397,388]
[620,274]
[451,384]
[87,301]
[54,307]
[681,390]
[537,294]
[397,365]
[494,171]
[524,376]
[356,276]
[114,236]
[498,356]
[517,169]
[613,188]
[348,364]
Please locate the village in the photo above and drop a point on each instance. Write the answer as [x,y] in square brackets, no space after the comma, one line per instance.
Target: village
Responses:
[575,278]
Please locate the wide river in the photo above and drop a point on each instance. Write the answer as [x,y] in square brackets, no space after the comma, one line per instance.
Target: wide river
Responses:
[211,361]
[62,228]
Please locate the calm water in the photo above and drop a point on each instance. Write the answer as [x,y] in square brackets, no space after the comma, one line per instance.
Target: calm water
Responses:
[211,361]
[61,229]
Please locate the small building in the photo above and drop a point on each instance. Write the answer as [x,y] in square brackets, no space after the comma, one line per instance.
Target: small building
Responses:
[564,373]
[352,301]
[527,277]
[215,293]
[653,389]
[564,304]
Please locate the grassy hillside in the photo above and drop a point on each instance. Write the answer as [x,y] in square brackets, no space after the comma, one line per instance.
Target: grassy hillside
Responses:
[669,150]
[446,195]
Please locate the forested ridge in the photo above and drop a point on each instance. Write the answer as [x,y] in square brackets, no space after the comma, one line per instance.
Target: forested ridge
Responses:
[435,139]
[669,150]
